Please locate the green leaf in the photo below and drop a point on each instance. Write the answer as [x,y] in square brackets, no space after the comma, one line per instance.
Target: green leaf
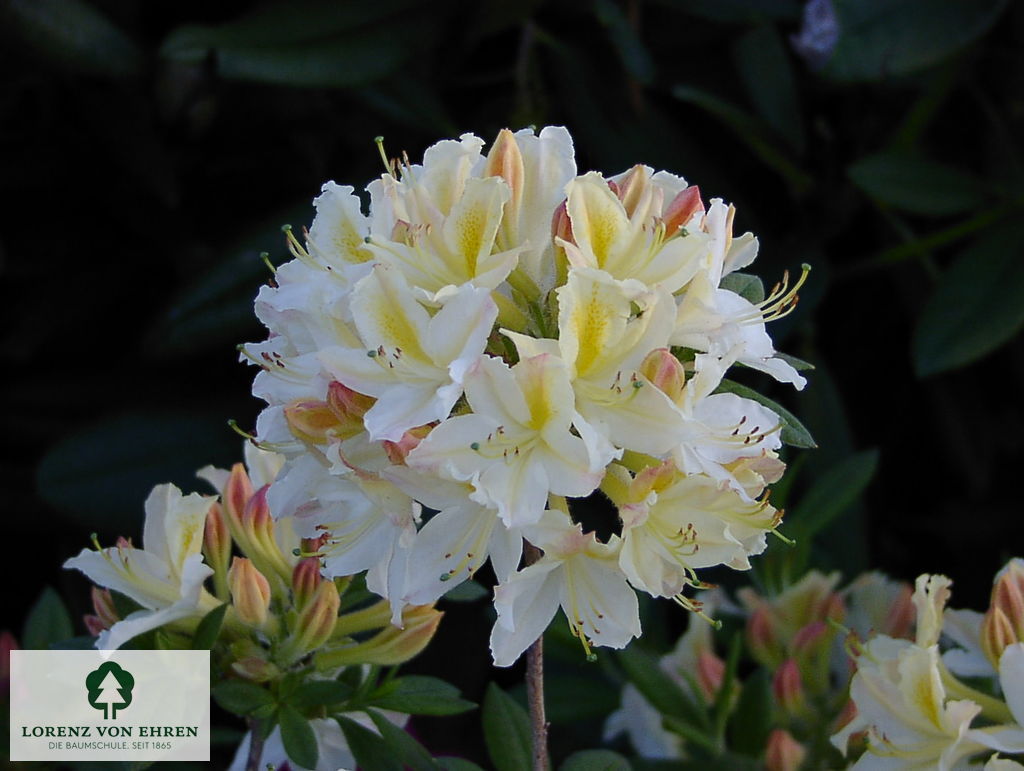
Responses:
[977,304]
[48,622]
[832,493]
[624,38]
[100,475]
[371,751]
[916,184]
[421,695]
[298,738]
[798,364]
[746,285]
[752,719]
[240,697]
[879,39]
[406,749]
[74,35]
[449,763]
[506,731]
[595,760]
[793,432]
[751,131]
[764,66]
[209,628]
[350,44]
[319,693]
[665,696]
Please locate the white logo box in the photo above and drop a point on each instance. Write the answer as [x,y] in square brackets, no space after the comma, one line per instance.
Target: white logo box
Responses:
[159,710]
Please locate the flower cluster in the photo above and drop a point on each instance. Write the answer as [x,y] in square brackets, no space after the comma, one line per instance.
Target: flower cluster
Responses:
[795,638]
[497,335]
[919,705]
[217,571]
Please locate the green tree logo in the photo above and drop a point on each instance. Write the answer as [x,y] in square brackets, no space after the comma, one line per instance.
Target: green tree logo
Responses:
[110,688]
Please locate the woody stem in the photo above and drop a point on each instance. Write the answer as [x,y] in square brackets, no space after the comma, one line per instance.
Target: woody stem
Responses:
[535,686]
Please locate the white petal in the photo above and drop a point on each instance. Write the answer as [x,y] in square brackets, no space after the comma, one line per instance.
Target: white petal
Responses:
[526,603]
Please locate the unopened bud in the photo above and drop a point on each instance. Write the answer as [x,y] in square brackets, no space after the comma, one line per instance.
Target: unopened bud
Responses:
[710,673]
[390,647]
[348,407]
[250,592]
[1004,622]
[257,541]
[784,753]
[305,580]
[787,687]
[762,638]
[256,669]
[217,548]
[316,621]
[631,187]
[311,421]
[506,161]
[899,618]
[665,372]
[236,494]
[561,230]
[812,648]
[682,208]
[103,605]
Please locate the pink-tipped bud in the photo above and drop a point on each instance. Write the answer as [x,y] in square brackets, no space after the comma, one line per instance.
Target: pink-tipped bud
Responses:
[348,407]
[631,187]
[710,673]
[809,639]
[8,643]
[1004,621]
[305,580]
[237,493]
[123,543]
[784,753]
[561,225]
[398,451]
[250,592]
[996,634]
[103,605]
[255,669]
[256,520]
[506,161]
[788,688]
[312,421]
[682,208]
[665,372]
[216,539]
[762,638]
[899,618]
[317,619]
[393,645]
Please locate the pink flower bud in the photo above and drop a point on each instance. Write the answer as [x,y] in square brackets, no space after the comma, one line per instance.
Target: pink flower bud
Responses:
[316,620]
[103,605]
[762,638]
[996,634]
[250,592]
[710,673]
[809,639]
[506,161]
[305,580]
[631,187]
[787,687]
[665,372]
[391,646]
[312,421]
[255,669]
[397,451]
[216,539]
[784,753]
[686,203]
[236,494]
[348,407]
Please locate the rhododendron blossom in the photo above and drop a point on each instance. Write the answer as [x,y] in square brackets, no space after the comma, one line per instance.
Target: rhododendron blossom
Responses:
[450,371]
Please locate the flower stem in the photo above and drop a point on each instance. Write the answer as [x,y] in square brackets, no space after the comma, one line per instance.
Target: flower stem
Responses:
[252,763]
[535,686]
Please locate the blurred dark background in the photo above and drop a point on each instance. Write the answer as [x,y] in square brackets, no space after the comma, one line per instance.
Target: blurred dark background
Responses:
[150,151]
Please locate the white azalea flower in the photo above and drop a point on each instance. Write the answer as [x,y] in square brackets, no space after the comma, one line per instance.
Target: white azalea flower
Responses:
[578,573]
[516,446]
[636,243]
[165,576]
[642,723]
[411,362]
[684,523]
